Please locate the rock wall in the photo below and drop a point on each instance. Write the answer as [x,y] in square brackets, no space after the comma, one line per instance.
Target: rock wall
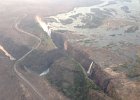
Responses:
[114,87]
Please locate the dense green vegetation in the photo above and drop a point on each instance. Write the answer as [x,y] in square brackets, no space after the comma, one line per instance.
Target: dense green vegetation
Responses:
[66,75]
[79,86]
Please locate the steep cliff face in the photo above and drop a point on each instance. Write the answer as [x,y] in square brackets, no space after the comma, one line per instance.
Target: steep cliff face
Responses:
[67,76]
[116,85]
[107,35]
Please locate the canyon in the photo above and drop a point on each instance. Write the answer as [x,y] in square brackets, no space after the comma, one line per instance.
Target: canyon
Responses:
[68,50]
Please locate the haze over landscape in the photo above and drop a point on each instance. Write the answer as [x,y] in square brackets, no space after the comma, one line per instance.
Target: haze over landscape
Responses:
[70,50]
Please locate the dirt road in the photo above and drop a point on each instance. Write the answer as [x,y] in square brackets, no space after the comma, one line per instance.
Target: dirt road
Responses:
[24,56]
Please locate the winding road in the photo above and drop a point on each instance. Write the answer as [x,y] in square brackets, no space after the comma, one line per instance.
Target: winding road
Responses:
[20,75]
